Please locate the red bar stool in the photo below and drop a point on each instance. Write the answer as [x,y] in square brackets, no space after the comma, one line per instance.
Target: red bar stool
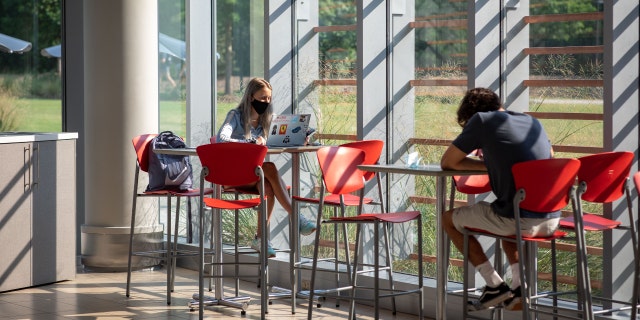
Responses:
[246,160]
[340,201]
[541,186]
[168,255]
[340,175]
[603,178]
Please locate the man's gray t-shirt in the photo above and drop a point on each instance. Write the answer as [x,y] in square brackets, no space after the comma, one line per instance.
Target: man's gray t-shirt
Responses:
[505,138]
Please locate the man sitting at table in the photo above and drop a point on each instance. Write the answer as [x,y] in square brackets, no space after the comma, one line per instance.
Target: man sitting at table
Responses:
[504,138]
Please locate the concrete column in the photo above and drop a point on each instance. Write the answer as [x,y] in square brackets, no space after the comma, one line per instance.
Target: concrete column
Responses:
[483,44]
[307,69]
[201,91]
[306,61]
[401,100]
[514,66]
[372,95]
[620,98]
[400,116]
[120,101]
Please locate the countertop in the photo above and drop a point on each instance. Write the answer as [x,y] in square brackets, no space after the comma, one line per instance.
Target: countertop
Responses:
[17,137]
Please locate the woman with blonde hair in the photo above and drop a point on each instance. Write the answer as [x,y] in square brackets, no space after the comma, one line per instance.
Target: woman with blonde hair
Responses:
[246,123]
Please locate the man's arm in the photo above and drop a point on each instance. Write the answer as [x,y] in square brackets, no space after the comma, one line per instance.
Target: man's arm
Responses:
[455,159]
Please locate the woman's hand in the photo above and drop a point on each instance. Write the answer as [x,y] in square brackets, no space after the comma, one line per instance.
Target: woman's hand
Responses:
[261,141]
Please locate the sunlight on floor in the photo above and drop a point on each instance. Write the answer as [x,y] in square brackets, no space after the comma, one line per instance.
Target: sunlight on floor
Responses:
[94,295]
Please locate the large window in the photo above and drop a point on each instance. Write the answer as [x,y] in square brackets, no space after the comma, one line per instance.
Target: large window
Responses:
[336,81]
[566,92]
[563,86]
[240,56]
[440,80]
[172,57]
[30,77]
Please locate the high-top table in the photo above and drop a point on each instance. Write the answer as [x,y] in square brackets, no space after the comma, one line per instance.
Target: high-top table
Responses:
[442,255]
[295,159]
[241,302]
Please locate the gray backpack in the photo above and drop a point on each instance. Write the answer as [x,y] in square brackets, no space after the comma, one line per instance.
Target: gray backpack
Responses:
[172,172]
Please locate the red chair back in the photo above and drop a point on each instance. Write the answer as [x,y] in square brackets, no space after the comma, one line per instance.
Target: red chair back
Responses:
[636,181]
[339,166]
[372,151]
[142,145]
[546,183]
[231,163]
[605,175]
[475,184]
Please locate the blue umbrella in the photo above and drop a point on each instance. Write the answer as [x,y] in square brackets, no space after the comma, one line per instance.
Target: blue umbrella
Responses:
[166,44]
[52,52]
[172,46]
[13,45]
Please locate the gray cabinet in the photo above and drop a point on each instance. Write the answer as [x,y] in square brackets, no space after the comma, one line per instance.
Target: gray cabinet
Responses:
[37,213]
[15,216]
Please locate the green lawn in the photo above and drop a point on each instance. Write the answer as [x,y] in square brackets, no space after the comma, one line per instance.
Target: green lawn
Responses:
[39,115]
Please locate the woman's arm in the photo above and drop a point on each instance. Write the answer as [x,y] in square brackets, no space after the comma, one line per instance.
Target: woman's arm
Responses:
[232,129]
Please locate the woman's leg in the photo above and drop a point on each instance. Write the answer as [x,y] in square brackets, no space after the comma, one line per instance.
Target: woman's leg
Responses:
[274,188]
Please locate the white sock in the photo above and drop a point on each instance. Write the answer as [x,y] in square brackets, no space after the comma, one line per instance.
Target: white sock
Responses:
[489,274]
[515,275]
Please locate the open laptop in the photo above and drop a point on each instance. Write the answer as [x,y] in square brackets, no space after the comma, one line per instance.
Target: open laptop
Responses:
[288,130]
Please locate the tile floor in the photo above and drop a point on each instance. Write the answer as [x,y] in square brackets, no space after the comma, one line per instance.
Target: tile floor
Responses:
[94,295]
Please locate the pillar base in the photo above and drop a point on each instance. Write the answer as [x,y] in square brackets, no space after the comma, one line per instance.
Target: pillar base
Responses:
[107,248]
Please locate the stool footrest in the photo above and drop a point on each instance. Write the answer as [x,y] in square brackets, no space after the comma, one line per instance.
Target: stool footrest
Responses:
[373,270]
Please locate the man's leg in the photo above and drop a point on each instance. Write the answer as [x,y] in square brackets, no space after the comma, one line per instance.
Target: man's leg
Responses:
[476,253]
[511,251]
[496,290]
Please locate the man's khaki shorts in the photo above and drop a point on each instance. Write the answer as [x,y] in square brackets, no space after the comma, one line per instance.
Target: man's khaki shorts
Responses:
[481,216]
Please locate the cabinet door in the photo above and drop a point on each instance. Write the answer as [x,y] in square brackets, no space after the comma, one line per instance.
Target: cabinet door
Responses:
[54,212]
[15,215]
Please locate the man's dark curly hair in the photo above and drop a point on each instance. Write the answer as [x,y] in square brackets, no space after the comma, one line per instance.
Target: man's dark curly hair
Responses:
[477,100]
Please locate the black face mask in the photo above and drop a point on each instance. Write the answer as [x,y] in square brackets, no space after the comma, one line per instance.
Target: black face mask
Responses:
[259,106]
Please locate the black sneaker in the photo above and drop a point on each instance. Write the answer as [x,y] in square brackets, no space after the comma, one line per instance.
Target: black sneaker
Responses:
[491,296]
[515,302]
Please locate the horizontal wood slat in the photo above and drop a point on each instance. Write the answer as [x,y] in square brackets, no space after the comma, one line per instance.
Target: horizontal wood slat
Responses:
[563,83]
[556,148]
[455,23]
[335,82]
[567,115]
[577,149]
[564,17]
[430,142]
[332,136]
[438,82]
[564,50]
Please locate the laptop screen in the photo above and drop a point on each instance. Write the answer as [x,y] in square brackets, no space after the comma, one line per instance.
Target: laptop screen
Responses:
[288,130]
